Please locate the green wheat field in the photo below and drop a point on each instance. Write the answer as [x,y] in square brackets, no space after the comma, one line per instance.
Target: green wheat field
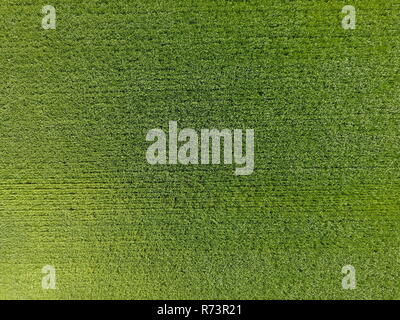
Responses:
[77,193]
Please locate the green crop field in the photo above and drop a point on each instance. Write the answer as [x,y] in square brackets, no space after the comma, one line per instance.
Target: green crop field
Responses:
[76,190]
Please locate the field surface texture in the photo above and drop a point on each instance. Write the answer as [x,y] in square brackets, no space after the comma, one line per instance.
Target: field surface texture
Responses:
[76,190]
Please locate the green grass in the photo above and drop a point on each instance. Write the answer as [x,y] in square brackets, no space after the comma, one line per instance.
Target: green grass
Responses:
[77,193]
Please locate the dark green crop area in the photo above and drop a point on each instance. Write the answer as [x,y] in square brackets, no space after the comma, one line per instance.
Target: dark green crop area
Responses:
[77,193]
